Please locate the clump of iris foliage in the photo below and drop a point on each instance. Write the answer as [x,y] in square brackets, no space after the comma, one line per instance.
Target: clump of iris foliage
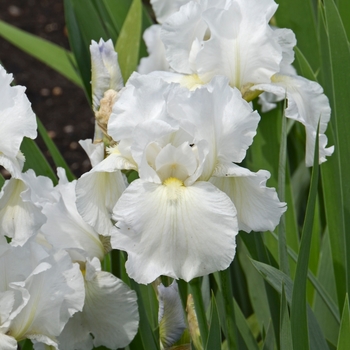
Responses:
[216,213]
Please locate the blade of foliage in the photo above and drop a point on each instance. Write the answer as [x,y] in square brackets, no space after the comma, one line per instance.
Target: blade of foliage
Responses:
[344,11]
[78,46]
[214,336]
[195,287]
[328,316]
[298,309]
[128,44]
[226,289]
[51,54]
[106,19]
[286,342]
[244,329]
[118,11]
[148,337]
[35,160]
[340,67]
[299,15]
[258,251]
[344,334]
[55,153]
[282,243]
[277,279]
[269,343]
[256,289]
[89,21]
[331,177]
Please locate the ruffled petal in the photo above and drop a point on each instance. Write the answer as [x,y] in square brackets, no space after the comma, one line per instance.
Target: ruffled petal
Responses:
[308,105]
[180,32]
[66,229]
[242,45]
[110,313]
[173,230]
[156,60]
[97,192]
[164,8]
[258,207]
[16,116]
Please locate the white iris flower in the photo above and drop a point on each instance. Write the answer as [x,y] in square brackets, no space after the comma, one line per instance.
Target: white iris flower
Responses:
[206,38]
[173,221]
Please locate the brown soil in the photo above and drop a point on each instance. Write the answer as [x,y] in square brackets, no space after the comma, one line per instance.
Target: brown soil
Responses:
[61,105]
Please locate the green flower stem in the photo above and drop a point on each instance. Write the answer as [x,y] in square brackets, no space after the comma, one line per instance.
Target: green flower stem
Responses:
[195,287]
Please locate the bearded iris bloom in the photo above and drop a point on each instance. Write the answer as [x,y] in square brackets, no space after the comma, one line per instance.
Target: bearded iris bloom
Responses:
[233,38]
[173,220]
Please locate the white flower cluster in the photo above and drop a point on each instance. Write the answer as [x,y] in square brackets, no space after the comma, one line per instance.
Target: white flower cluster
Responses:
[183,124]
[52,288]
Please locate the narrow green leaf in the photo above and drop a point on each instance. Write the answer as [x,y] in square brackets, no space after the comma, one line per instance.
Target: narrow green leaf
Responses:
[148,337]
[214,336]
[89,21]
[226,289]
[282,246]
[244,329]
[328,316]
[340,68]
[51,54]
[286,342]
[35,160]
[344,332]
[277,279]
[269,343]
[55,153]
[298,309]
[78,46]
[128,44]
[118,10]
[331,175]
[344,10]
[195,287]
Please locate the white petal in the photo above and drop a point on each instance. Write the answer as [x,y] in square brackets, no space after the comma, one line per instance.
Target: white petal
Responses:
[156,61]
[142,99]
[16,116]
[94,151]
[110,311]
[105,71]
[97,192]
[182,232]
[171,314]
[19,217]
[242,45]
[308,105]
[222,118]
[66,229]
[56,291]
[164,8]
[258,207]
[7,343]
[178,34]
